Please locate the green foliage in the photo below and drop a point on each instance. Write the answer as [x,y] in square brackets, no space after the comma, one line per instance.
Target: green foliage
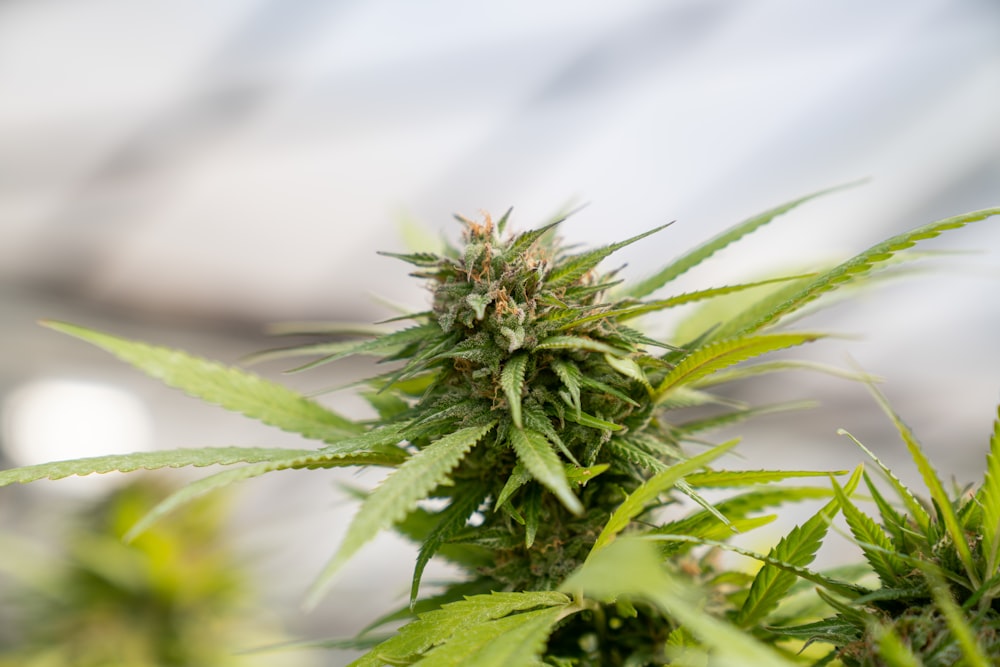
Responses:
[938,600]
[176,597]
[550,433]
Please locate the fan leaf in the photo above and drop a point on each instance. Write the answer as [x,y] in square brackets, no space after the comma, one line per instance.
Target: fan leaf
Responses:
[231,388]
[398,494]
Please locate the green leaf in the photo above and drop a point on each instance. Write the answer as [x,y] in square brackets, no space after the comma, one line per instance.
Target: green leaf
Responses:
[738,478]
[577,343]
[643,308]
[512,381]
[231,388]
[535,452]
[631,568]
[720,354]
[282,460]
[934,485]
[518,639]
[636,503]
[457,618]
[173,458]
[770,560]
[696,256]
[398,494]
[451,520]
[797,549]
[891,648]
[874,543]
[916,510]
[957,620]
[989,498]
[857,267]
[570,269]
[570,376]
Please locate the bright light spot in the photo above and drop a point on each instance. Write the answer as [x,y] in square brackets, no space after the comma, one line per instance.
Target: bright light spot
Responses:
[53,420]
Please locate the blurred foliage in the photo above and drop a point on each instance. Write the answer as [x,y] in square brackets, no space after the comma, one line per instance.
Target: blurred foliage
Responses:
[175,596]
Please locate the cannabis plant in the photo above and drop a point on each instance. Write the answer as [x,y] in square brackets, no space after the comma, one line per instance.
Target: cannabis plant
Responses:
[938,567]
[175,596]
[545,425]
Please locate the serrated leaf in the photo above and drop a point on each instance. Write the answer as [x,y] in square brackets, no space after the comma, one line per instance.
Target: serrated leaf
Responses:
[535,452]
[636,503]
[450,521]
[989,499]
[517,639]
[721,354]
[916,510]
[285,460]
[438,626]
[770,560]
[570,269]
[797,549]
[512,382]
[173,458]
[934,486]
[769,312]
[518,478]
[738,478]
[874,543]
[635,310]
[570,376]
[699,254]
[231,388]
[398,494]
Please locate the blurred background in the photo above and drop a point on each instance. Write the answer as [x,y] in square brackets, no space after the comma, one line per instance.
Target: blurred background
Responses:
[188,172]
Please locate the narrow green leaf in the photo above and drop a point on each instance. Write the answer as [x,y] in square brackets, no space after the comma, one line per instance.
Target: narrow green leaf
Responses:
[518,478]
[450,520]
[568,270]
[512,381]
[646,307]
[857,267]
[797,549]
[173,458]
[699,254]
[231,388]
[720,354]
[281,460]
[535,452]
[934,486]
[577,343]
[891,647]
[398,494]
[740,478]
[989,499]
[584,419]
[636,503]
[868,534]
[965,635]
[770,560]
[916,510]
[570,376]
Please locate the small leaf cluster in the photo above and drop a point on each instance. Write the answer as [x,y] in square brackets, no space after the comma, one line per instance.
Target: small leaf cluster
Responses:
[938,567]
